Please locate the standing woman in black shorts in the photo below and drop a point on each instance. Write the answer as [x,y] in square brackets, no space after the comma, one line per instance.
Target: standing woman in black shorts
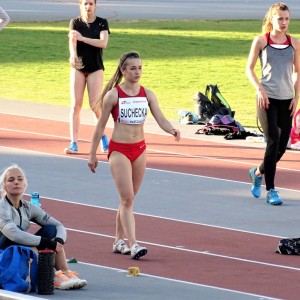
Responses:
[87,37]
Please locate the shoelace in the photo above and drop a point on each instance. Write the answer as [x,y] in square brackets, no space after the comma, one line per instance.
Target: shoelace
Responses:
[136,247]
[122,245]
[70,274]
[61,276]
[273,194]
[257,181]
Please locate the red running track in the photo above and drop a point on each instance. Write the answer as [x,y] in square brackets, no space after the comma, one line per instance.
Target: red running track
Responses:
[227,258]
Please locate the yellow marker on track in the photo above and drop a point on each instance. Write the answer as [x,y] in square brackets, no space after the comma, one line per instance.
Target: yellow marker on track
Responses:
[133,271]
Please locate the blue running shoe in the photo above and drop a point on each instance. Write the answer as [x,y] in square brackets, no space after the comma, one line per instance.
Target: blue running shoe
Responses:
[72,149]
[273,198]
[104,143]
[256,183]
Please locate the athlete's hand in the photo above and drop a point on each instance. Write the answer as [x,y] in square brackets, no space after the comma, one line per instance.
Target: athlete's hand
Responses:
[293,106]
[93,163]
[76,34]
[72,35]
[73,61]
[59,247]
[262,99]
[176,134]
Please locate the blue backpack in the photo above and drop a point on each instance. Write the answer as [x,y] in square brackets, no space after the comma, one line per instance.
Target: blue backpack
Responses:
[18,269]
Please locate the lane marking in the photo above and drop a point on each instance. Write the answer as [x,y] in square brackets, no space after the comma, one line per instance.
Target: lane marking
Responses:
[153,150]
[150,169]
[193,251]
[163,218]
[183,282]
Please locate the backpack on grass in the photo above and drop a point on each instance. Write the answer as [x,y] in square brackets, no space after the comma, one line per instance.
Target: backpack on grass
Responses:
[211,103]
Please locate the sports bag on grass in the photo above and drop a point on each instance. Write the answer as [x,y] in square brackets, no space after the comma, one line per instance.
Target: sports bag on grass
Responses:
[211,103]
[221,125]
[289,246]
[18,269]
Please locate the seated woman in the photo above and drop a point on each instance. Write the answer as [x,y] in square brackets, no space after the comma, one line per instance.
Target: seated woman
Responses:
[15,217]
[295,132]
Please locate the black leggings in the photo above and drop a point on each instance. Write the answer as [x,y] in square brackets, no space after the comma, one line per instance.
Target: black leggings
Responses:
[276,123]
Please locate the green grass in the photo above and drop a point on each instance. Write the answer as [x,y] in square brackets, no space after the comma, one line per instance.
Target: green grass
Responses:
[179,59]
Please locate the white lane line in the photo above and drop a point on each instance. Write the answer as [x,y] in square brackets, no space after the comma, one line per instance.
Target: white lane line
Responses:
[182,281]
[214,158]
[151,169]
[164,218]
[153,150]
[194,251]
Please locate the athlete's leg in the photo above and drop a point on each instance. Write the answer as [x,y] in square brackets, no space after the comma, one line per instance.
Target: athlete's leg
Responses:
[61,261]
[268,167]
[285,125]
[94,87]
[128,177]
[138,171]
[77,87]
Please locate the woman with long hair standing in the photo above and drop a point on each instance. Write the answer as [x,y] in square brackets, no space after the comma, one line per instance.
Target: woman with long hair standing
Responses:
[278,93]
[128,103]
[88,37]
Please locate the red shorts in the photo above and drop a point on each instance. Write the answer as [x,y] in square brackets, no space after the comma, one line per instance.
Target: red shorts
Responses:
[131,151]
[86,74]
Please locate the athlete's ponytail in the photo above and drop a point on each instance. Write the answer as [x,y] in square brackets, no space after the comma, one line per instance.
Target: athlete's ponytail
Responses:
[117,77]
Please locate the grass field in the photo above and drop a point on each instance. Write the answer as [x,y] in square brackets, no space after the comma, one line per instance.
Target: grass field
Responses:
[179,59]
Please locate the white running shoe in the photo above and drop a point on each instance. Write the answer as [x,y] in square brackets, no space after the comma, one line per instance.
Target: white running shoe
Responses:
[138,251]
[121,247]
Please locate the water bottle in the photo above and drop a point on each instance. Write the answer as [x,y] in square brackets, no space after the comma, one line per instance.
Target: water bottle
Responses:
[35,199]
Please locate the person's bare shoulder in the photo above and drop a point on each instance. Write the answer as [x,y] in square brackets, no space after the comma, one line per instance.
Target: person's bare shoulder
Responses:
[151,97]
[111,97]
[147,90]
[260,41]
[295,42]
